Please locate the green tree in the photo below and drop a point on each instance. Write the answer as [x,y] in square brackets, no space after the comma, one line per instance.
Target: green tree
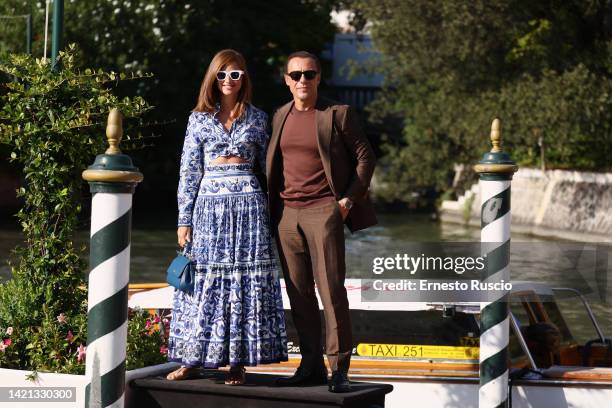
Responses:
[544,68]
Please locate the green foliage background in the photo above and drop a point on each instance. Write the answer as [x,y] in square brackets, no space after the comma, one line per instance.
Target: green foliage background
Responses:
[451,66]
[544,68]
[52,123]
[175,40]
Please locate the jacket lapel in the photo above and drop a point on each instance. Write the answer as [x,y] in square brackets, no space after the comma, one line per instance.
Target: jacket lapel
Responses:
[324,116]
[277,127]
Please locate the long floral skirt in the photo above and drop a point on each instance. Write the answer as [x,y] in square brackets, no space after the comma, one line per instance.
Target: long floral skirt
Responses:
[235,315]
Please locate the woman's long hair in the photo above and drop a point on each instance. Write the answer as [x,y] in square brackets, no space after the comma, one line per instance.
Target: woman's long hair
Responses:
[209,91]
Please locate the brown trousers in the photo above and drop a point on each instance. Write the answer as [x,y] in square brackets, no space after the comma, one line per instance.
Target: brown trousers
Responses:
[311,249]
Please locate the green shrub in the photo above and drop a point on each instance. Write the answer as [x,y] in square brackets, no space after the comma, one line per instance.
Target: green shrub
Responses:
[53,124]
[147,339]
[59,345]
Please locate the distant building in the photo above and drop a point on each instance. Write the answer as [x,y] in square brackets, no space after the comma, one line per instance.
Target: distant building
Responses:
[357,50]
[350,81]
[351,54]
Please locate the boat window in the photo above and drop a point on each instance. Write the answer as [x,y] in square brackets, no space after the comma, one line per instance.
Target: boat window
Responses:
[426,327]
[555,316]
[543,329]
[517,356]
[397,327]
[576,317]
[522,311]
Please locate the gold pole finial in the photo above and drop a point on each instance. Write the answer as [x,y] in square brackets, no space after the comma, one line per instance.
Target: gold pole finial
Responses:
[114,131]
[496,137]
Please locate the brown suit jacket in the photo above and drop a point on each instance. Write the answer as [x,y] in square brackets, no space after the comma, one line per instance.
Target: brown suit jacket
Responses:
[348,160]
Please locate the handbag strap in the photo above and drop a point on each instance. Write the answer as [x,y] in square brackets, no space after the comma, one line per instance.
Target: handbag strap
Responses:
[186,250]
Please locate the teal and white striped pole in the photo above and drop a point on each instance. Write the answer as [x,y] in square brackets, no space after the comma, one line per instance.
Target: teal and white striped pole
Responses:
[112,180]
[495,170]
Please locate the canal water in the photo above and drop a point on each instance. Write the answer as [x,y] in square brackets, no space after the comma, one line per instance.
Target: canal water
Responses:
[532,258]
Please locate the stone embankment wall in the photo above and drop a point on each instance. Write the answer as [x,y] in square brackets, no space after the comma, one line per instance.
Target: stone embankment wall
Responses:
[557,203]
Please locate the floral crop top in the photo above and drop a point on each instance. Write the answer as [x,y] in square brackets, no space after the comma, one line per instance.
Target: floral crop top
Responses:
[207,139]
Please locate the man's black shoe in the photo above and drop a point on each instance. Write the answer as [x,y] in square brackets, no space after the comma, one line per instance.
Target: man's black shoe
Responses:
[304,377]
[339,382]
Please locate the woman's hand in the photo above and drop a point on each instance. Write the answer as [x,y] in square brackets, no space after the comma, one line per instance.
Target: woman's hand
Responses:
[184,235]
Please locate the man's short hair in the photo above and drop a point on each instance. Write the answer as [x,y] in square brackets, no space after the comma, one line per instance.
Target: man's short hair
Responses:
[303,54]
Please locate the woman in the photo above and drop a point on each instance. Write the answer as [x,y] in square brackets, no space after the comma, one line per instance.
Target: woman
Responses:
[235,316]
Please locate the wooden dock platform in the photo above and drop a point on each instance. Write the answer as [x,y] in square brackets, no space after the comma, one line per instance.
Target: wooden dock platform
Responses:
[208,390]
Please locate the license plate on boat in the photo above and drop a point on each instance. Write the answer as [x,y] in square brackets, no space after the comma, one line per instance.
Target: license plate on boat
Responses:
[417,351]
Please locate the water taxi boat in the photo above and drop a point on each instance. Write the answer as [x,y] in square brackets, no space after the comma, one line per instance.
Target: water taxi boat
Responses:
[429,351]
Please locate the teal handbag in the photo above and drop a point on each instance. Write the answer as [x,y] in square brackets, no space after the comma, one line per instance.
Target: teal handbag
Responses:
[181,272]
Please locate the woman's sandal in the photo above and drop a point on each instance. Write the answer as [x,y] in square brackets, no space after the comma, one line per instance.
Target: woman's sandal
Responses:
[236,376]
[182,373]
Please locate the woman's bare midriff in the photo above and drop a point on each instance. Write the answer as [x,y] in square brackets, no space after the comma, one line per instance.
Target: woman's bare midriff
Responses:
[228,159]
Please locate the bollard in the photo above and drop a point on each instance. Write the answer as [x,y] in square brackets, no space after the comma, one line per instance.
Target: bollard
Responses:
[112,180]
[495,170]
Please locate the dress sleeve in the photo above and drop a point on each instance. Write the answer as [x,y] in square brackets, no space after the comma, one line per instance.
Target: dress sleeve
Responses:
[191,172]
[263,143]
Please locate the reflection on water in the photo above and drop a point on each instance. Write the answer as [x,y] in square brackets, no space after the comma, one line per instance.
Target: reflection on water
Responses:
[532,259]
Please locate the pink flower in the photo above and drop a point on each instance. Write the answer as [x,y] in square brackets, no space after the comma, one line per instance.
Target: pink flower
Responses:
[9,330]
[70,336]
[61,318]
[165,321]
[157,319]
[163,350]
[148,325]
[82,351]
[8,342]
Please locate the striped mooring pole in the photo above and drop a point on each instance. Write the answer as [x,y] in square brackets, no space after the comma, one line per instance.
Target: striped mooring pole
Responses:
[112,180]
[495,170]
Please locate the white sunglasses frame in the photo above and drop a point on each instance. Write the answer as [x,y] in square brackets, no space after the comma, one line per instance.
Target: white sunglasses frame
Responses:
[228,74]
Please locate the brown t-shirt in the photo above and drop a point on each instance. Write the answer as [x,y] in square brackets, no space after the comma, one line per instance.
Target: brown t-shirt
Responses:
[305,181]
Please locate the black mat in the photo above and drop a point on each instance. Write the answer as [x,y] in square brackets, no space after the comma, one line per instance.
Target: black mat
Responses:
[209,390]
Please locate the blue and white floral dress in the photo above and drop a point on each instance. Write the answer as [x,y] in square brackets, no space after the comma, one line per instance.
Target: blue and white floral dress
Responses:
[235,315]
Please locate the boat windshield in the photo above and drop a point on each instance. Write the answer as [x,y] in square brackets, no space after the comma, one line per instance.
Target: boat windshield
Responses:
[543,330]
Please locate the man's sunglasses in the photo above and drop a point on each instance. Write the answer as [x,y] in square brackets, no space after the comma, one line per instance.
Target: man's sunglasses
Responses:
[297,75]
[234,75]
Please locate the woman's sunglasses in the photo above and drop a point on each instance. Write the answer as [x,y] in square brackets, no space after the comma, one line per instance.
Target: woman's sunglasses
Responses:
[234,75]
[297,75]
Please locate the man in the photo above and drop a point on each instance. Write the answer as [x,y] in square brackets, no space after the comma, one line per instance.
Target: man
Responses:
[319,166]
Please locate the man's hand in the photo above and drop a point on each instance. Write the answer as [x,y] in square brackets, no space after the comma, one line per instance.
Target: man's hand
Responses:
[343,204]
[184,235]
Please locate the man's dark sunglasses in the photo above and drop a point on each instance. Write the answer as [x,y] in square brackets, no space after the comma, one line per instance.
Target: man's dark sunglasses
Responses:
[297,75]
